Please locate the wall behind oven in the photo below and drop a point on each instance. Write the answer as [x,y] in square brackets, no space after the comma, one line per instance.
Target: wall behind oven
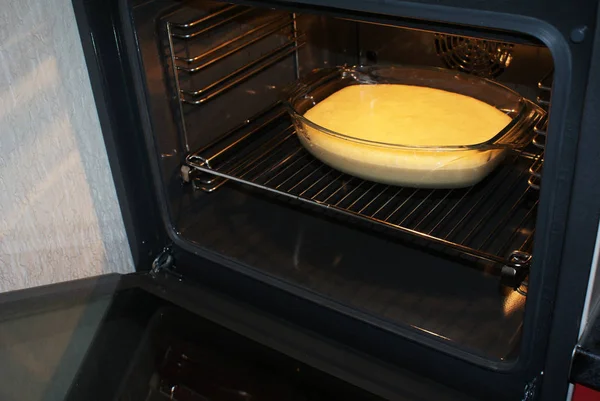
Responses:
[59,216]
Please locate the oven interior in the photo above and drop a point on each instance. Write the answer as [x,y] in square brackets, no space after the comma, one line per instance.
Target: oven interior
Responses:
[451,265]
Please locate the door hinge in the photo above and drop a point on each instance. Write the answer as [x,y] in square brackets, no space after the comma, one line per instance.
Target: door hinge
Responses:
[531,388]
[163,262]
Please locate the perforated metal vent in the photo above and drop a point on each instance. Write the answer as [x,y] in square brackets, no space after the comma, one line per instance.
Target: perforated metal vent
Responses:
[478,57]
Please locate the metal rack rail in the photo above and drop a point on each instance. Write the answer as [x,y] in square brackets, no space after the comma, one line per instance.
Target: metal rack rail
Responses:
[188,56]
[543,99]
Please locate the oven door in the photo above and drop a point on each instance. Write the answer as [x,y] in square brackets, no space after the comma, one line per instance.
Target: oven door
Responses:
[158,338]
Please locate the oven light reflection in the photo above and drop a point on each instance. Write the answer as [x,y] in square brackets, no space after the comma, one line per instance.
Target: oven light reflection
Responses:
[513,302]
[525,231]
[432,333]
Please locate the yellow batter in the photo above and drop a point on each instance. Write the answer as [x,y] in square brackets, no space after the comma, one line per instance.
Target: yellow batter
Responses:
[410,116]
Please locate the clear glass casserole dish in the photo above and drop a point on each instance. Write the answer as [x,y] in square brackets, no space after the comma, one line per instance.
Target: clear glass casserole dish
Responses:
[446,166]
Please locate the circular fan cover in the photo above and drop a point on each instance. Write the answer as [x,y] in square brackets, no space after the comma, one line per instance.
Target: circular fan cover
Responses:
[475,56]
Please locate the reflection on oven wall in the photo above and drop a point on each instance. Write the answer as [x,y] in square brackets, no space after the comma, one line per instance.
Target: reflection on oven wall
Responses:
[59,216]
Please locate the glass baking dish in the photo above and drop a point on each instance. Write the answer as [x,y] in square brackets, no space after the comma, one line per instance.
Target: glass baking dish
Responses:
[415,166]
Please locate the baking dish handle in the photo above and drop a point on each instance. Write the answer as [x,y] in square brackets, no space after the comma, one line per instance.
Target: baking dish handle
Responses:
[521,130]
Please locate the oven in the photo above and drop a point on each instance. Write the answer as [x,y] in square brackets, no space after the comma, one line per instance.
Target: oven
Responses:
[481,289]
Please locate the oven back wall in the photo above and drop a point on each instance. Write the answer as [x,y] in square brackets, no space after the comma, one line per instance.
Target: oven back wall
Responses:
[59,215]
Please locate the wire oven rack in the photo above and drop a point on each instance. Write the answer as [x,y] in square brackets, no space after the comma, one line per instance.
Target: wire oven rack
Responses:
[493,221]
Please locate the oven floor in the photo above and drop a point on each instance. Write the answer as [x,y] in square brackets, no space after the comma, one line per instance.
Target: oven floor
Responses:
[388,281]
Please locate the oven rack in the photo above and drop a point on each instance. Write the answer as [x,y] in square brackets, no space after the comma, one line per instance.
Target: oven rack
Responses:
[493,221]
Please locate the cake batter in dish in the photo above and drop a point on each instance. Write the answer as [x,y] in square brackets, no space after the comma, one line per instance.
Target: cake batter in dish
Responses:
[401,134]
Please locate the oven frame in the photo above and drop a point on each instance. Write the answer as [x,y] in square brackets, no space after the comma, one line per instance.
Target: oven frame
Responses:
[569,195]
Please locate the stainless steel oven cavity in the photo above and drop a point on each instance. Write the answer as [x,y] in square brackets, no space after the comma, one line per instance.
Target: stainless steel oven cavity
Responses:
[493,222]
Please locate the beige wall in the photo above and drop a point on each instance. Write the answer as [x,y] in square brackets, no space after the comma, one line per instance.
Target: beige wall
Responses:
[59,216]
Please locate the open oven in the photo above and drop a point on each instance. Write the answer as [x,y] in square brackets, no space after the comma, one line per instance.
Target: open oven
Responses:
[479,288]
